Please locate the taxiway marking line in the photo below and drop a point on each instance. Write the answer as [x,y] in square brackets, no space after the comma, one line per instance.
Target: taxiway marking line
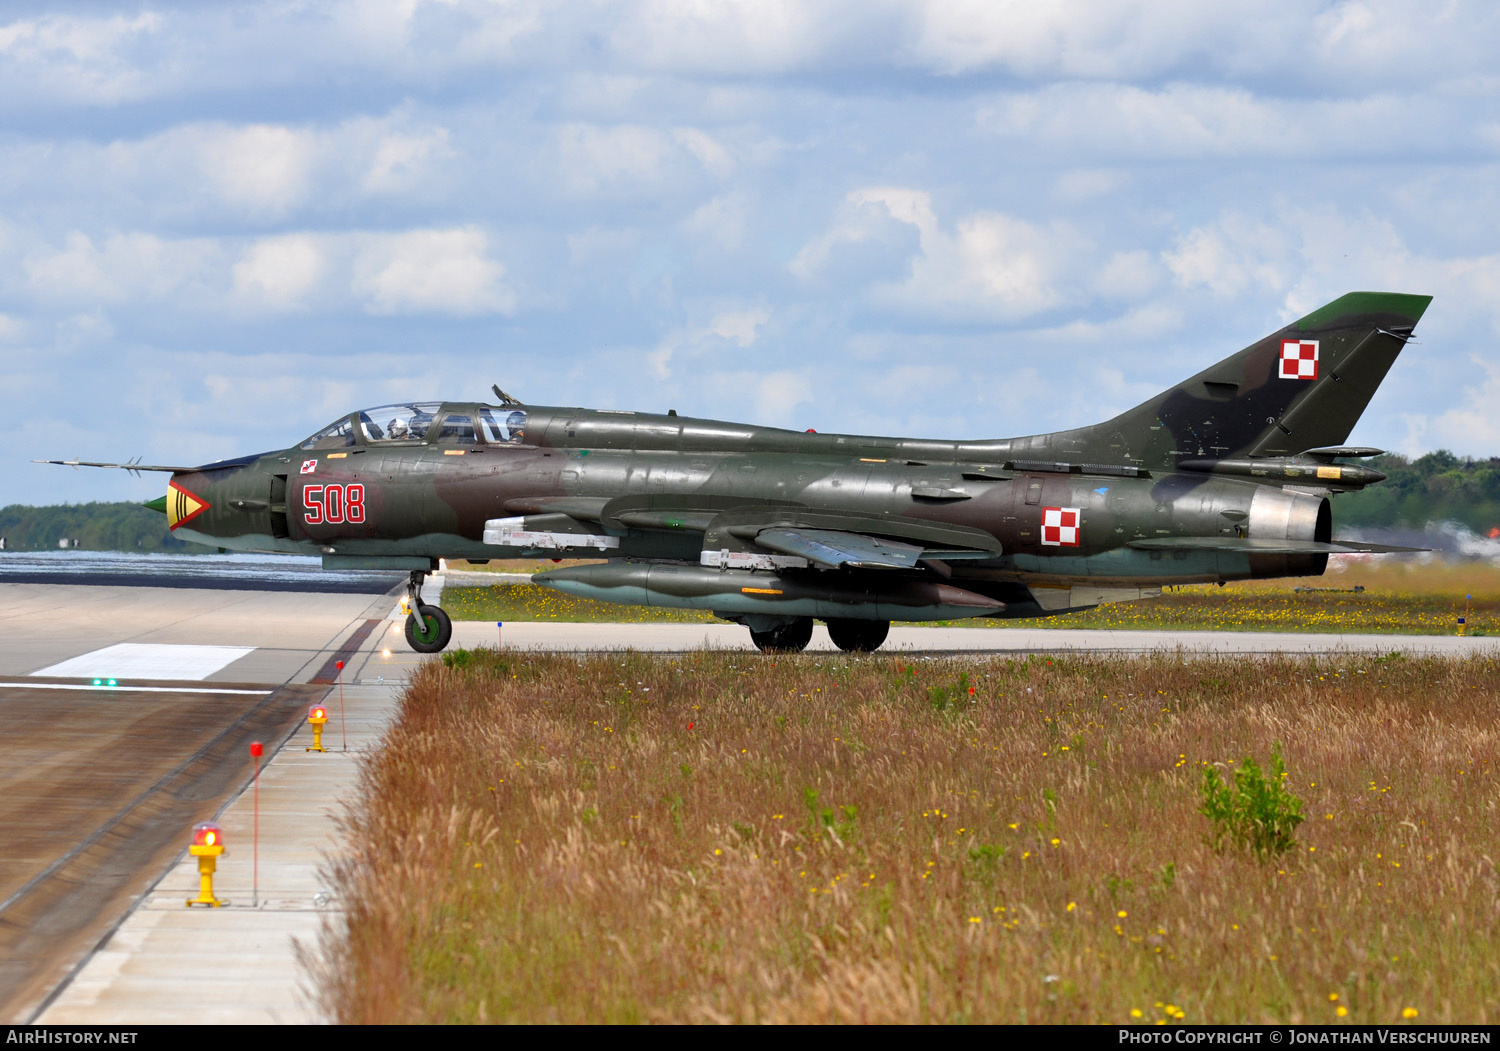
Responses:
[122,688]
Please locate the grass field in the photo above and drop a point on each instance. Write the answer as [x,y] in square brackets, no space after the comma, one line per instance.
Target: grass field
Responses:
[726,837]
[1423,598]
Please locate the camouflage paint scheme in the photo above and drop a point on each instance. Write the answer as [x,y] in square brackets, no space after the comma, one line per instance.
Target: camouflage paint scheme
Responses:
[1225,476]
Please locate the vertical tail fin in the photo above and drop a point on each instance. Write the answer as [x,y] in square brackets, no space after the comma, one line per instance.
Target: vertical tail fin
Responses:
[1302,387]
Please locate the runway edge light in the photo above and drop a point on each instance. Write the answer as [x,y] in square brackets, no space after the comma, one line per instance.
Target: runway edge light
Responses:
[317,716]
[207,845]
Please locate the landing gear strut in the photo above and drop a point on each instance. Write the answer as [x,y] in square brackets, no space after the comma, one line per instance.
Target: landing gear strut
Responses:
[858,636]
[428,628]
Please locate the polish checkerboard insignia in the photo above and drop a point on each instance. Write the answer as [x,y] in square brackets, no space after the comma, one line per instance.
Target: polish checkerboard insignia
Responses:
[1060,526]
[309,466]
[1299,359]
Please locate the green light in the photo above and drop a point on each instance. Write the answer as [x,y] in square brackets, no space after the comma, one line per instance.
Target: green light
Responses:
[98,682]
[112,682]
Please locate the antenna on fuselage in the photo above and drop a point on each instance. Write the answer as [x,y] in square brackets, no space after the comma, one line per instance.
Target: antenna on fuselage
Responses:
[505,399]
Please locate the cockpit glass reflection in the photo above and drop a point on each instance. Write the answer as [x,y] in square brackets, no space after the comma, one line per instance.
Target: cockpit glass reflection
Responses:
[503,426]
[408,422]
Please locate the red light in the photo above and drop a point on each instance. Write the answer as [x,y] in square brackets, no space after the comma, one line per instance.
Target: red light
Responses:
[317,711]
[256,749]
[339,665]
[207,834]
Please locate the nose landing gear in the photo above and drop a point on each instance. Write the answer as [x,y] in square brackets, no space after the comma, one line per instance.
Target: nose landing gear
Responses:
[428,628]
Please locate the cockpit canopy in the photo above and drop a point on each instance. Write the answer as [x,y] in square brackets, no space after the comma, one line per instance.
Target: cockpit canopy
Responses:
[417,422]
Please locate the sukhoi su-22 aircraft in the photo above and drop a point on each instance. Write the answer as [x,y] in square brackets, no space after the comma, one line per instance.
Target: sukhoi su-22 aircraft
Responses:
[1226,476]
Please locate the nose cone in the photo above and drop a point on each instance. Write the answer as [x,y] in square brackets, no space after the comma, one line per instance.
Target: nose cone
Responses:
[183,505]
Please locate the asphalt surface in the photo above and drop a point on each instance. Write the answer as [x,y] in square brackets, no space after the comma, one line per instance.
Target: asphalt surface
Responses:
[211,572]
[97,788]
[100,786]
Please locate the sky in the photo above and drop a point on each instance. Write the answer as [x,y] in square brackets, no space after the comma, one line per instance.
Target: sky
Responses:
[224,225]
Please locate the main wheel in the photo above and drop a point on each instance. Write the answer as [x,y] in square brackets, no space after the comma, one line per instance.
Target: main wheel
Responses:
[858,636]
[789,638]
[432,634]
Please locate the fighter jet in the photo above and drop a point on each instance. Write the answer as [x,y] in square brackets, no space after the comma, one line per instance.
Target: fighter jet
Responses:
[1225,476]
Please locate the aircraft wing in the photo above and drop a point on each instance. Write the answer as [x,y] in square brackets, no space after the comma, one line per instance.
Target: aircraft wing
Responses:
[1259,546]
[832,548]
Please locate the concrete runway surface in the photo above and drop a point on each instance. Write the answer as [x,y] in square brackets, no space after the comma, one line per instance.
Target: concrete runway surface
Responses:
[100,786]
[541,635]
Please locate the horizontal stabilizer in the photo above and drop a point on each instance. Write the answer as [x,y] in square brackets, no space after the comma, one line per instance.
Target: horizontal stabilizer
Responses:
[828,547]
[1259,546]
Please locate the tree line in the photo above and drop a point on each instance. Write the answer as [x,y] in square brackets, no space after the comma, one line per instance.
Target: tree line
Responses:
[95,527]
[1437,487]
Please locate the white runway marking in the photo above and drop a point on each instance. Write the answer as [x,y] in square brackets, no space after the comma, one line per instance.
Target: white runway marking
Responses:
[124,688]
[135,660]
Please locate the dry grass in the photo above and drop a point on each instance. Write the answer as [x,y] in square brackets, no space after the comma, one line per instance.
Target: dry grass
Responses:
[635,838]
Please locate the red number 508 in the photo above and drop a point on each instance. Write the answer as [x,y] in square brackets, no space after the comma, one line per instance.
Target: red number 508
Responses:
[334,503]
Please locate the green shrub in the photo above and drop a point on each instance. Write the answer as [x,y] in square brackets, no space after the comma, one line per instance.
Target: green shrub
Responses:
[476,662]
[1257,811]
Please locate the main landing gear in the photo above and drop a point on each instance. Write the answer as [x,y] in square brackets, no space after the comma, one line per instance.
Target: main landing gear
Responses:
[858,636]
[428,628]
[792,634]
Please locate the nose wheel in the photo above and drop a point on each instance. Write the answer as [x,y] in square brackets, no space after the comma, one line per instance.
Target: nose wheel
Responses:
[432,633]
[428,628]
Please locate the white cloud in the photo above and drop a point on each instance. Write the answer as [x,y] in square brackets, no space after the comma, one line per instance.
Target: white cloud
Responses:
[124,267]
[726,329]
[256,174]
[1307,256]
[262,167]
[629,159]
[1234,256]
[724,36]
[430,271]
[707,150]
[866,220]
[991,265]
[1077,120]
[1353,44]
[280,272]
[401,160]
[76,59]
[721,221]
[771,397]
[1472,428]
[1131,275]
[420,271]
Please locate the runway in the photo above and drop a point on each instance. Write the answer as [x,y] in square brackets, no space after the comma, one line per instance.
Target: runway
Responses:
[100,785]
[674,638]
[213,572]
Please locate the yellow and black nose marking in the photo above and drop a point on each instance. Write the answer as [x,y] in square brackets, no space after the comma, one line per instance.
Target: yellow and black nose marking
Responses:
[182,506]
